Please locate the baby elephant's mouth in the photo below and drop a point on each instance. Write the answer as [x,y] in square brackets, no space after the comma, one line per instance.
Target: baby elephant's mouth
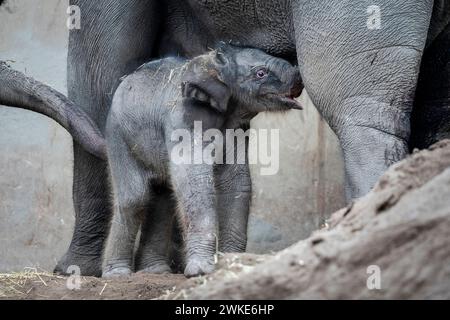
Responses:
[288,100]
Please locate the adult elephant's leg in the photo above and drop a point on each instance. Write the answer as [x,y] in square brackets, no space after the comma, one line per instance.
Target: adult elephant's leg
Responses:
[115,37]
[92,212]
[360,65]
[431,115]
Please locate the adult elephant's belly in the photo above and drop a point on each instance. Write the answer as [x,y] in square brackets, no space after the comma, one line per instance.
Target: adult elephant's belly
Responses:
[193,26]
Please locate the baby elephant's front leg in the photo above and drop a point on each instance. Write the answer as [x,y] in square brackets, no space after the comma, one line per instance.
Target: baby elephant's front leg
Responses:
[194,189]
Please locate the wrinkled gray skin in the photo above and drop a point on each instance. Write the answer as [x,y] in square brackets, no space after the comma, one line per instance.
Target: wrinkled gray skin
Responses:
[223,90]
[362,81]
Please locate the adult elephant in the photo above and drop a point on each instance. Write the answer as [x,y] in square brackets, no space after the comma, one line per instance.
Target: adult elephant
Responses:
[361,77]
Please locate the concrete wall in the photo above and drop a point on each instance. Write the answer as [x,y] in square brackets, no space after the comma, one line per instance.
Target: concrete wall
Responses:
[36,212]
[309,186]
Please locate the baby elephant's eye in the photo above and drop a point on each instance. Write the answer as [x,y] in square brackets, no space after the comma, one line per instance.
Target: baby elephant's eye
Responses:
[262,73]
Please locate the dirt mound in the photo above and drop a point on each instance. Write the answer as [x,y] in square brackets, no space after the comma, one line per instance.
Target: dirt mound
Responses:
[393,243]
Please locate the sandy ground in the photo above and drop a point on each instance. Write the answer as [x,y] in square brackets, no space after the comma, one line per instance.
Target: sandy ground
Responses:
[34,285]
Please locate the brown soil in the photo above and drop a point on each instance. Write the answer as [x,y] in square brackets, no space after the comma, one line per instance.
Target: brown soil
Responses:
[31,285]
[35,285]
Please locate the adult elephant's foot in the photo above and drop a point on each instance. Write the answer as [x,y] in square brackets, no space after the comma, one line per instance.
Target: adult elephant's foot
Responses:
[117,270]
[197,266]
[88,265]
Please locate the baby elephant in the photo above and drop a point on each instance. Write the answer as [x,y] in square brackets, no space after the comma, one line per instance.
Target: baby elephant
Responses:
[221,90]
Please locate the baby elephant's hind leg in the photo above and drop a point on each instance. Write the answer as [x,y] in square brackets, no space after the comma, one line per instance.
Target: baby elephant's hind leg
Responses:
[121,241]
[132,197]
[153,253]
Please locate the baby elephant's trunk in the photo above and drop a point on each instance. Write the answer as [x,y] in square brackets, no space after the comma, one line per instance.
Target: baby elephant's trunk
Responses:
[20,91]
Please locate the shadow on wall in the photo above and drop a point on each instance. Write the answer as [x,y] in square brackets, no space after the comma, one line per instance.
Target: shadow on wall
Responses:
[36,211]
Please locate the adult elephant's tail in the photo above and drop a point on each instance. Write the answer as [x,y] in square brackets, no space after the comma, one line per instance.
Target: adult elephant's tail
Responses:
[20,91]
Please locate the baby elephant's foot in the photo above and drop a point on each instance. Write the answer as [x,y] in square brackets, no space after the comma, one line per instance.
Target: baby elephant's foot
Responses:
[115,271]
[199,267]
[152,263]
[160,268]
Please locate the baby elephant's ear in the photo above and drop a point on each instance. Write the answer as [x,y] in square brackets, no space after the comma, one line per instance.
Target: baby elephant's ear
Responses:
[205,87]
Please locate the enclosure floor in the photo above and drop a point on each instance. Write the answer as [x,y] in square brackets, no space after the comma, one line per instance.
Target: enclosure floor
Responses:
[45,286]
